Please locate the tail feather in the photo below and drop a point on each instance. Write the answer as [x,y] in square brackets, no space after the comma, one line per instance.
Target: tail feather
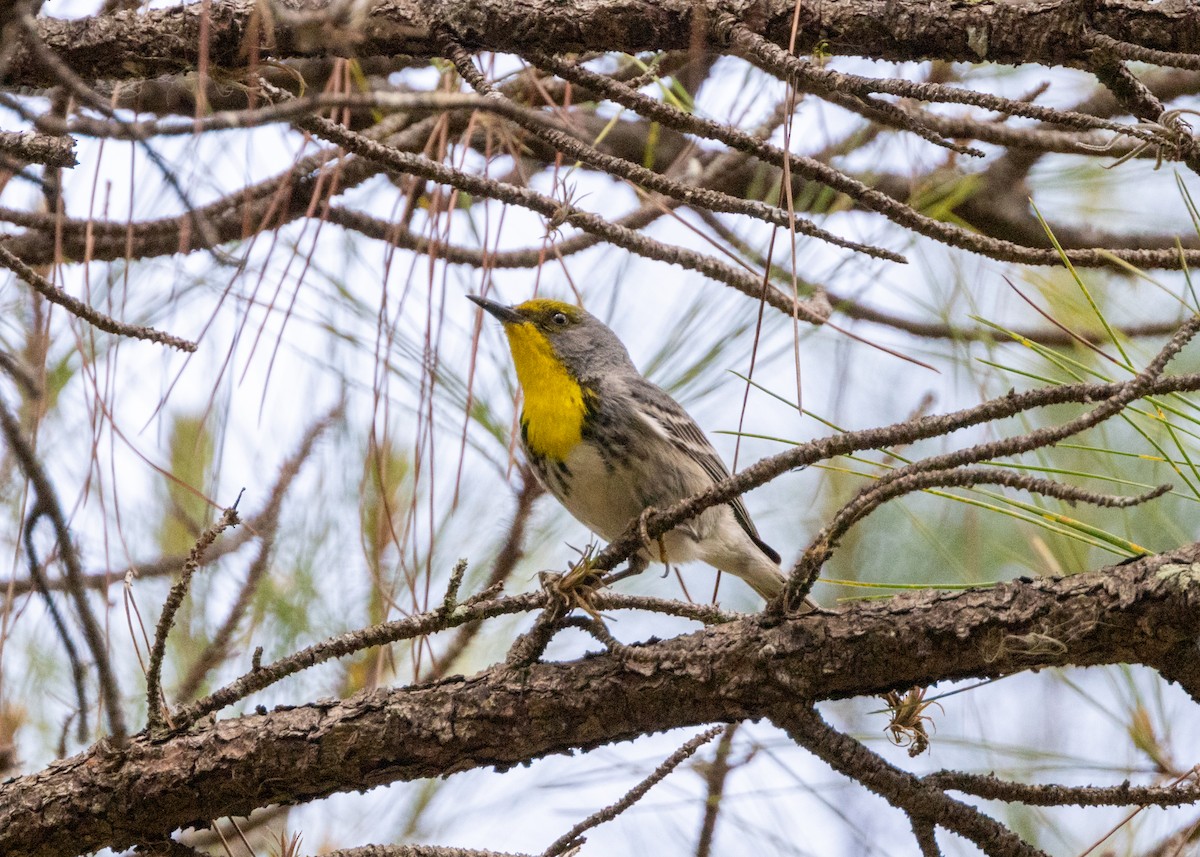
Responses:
[765,548]
[734,550]
[767,579]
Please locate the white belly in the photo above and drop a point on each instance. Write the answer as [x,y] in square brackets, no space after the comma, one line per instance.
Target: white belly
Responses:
[607,500]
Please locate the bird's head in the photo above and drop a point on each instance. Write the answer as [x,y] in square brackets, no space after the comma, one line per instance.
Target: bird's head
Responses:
[542,332]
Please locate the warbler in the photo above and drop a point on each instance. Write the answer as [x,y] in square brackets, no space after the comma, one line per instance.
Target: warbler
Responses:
[609,444]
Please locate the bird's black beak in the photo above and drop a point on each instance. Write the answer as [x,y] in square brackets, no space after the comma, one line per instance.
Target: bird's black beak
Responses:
[506,314]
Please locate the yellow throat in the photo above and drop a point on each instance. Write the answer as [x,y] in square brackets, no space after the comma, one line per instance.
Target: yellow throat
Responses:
[555,403]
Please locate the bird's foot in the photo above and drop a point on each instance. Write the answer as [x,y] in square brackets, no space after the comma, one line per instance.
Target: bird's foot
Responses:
[644,532]
[635,566]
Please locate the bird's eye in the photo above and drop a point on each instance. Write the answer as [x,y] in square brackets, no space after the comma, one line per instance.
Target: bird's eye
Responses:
[560,319]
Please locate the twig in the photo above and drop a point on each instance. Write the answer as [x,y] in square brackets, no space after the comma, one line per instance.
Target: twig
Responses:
[345,644]
[598,631]
[1144,104]
[926,837]
[46,503]
[1138,53]
[217,648]
[284,111]
[1132,815]
[573,837]
[804,573]
[89,314]
[154,698]
[1126,88]
[266,525]
[923,803]
[474,609]
[506,560]
[875,495]
[450,601]
[528,647]
[706,614]
[990,787]
[38,578]
[715,774]
[17,370]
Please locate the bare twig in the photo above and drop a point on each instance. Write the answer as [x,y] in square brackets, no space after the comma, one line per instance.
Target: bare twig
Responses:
[923,803]
[345,644]
[78,308]
[528,647]
[46,503]
[991,787]
[154,699]
[417,851]
[474,609]
[506,560]
[818,551]
[1137,53]
[266,524]
[573,837]
[925,834]
[874,496]
[716,773]
[78,673]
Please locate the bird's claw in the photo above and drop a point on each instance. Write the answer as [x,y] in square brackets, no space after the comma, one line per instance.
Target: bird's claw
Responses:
[644,532]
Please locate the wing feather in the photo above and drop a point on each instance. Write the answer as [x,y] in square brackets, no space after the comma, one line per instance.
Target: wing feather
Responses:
[681,429]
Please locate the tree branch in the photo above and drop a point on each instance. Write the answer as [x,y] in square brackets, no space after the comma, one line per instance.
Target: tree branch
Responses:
[744,669]
[162,41]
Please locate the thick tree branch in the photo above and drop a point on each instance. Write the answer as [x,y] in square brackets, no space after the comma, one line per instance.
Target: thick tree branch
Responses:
[1050,32]
[1144,612]
[38,148]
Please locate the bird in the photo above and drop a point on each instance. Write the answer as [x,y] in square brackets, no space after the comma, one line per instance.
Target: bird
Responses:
[609,444]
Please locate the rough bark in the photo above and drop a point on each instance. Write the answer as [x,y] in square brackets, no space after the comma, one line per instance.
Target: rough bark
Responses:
[1050,32]
[1144,612]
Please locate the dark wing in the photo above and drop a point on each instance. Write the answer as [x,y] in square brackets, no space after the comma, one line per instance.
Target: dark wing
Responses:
[682,429]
